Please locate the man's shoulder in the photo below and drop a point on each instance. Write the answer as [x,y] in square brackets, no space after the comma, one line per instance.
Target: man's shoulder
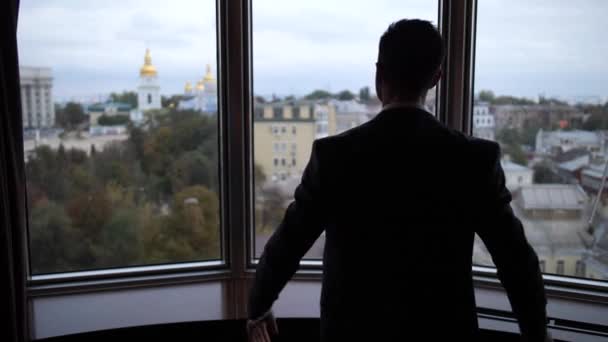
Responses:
[436,133]
[346,138]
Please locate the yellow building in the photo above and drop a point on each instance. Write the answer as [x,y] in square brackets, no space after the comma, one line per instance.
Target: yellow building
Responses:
[283,137]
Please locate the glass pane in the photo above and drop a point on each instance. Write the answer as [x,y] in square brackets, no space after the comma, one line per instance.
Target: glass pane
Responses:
[314,65]
[540,78]
[120,132]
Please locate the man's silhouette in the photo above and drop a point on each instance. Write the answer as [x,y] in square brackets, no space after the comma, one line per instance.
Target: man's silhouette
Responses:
[400,199]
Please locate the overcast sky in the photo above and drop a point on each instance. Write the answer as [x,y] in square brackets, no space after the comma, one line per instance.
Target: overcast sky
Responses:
[524,47]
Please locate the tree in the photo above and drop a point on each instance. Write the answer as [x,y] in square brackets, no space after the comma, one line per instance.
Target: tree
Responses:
[596,122]
[171,102]
[345,95]
[70,116]
[364,95]
[129,97]
[114,120]
[192,168]
[517,154]
[544,175]
[551,101]
[194,225]
[512,100]
[260,99]
[486,96]
[54,245]
[509,136]
[318,95]
[272,209]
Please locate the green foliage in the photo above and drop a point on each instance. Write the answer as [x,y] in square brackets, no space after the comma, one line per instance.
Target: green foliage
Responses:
[171,101]
[509,136]
[551,101]
[596,121]
[517,154]
[318,95]
[129,97]
[260,99]
[345,95]
[125,205]
[70,116]
[486,96]
[544,175]
[270,210]
[512,100]
[113,120]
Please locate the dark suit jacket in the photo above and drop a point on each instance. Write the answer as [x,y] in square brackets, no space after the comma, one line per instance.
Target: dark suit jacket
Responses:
[400,199]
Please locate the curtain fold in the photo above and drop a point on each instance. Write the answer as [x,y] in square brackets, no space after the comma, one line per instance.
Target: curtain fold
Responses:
[13,233]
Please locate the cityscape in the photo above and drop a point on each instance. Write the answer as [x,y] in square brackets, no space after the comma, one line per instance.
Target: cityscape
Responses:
[133,179]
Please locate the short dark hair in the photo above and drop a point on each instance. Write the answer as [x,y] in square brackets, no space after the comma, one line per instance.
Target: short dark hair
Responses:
[411,51]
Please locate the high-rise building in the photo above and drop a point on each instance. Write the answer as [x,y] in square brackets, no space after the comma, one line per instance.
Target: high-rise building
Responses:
[148,91]
[37,97]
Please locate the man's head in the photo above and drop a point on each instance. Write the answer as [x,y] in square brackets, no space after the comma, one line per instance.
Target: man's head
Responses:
[409,60]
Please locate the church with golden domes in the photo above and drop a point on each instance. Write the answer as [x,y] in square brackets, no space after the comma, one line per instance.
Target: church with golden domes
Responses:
[148,91]
[203,96]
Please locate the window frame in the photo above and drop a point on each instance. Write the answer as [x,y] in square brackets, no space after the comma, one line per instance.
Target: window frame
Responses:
[157,273]
[556,285]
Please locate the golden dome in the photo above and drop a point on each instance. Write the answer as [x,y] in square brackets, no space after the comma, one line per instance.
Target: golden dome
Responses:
[200,85]
[148,69]
[188,87]
[209,76]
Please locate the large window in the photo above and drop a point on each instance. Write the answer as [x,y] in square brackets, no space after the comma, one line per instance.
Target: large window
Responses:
[540,91]
[120,132]
[314,65]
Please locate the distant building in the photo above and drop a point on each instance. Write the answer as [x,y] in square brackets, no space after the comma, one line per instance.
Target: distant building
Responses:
[108,109]
[555,222]
[516,175]
[596,262]
[556,142]
[571,171]
[349,114]
[535,115]
[283,137]
[203,97]
[325,117]
[591,178]
[37,97]
[148,91]
[483,121]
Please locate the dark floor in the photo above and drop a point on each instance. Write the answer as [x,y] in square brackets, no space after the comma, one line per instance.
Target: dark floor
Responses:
[294,330]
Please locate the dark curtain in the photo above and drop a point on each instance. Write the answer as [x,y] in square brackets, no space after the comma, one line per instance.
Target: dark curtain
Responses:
[13,309]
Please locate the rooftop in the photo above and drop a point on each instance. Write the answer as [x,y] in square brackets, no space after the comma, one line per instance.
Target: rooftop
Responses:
[508,165]
[574,134]
[101,107]
[575,164]
[552,196]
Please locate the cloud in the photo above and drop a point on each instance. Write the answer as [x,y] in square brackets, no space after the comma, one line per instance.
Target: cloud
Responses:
[524,47]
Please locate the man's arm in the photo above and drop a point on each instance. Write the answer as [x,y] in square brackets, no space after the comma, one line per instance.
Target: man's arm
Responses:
[299,229]
[516,262]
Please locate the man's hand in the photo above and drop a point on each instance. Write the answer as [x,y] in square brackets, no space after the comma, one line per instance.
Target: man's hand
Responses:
[261,329]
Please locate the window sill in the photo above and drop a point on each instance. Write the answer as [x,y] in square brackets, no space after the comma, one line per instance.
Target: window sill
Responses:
[128,277]
[555,286]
